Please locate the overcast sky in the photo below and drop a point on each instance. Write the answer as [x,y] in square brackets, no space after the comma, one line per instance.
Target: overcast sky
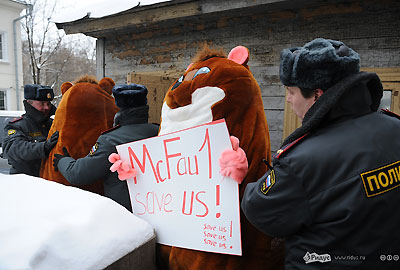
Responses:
[76,9]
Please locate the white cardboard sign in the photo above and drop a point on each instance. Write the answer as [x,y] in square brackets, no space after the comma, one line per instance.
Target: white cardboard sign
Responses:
[179,190]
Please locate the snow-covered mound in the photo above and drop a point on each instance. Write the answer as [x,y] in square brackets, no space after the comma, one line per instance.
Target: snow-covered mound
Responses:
[46,225]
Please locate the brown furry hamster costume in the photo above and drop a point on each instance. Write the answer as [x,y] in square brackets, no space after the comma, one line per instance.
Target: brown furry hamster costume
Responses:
[212,88]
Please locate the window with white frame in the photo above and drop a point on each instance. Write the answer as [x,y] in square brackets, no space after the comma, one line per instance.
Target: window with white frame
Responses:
[3,46]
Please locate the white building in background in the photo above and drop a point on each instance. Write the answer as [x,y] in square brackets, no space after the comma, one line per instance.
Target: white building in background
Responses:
[11,77]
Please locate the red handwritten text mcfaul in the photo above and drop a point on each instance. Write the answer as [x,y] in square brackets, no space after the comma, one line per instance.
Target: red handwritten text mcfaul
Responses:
[163,168]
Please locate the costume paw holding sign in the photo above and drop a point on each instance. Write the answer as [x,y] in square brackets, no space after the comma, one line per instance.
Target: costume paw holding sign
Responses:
[233,162]
[123,169]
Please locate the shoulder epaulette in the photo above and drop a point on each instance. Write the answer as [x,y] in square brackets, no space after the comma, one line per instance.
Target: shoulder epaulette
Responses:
[16,119]
[110,129]
[390,113]
[288,146]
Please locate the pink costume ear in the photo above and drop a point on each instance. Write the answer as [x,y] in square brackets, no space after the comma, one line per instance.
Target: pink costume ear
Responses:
[239,55]
[189,66]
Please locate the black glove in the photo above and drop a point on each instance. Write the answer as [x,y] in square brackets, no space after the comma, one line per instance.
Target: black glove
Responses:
[57,158]
[50,143]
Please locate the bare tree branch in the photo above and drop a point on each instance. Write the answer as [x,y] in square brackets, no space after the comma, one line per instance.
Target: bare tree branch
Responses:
[49,56]
[41,48]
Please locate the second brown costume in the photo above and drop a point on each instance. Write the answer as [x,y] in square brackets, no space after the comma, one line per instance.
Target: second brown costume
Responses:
[85,111]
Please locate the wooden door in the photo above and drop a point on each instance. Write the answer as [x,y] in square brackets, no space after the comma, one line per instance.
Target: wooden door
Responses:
[157,84]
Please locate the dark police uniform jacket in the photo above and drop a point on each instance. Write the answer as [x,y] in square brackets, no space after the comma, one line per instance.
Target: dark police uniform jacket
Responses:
[24,138]
[130,125]
[333,192]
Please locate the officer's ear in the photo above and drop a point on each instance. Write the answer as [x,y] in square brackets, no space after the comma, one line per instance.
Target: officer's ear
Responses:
[318,93]
[65,86]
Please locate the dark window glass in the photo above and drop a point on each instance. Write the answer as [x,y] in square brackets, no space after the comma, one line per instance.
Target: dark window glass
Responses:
[1,46]
[2,100]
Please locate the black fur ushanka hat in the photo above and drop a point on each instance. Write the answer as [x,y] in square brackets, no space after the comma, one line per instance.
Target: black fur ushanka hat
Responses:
[38,92]
[319,64]
[130,95]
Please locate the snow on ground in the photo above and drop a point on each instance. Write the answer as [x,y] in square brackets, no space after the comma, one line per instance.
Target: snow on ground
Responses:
[46,225]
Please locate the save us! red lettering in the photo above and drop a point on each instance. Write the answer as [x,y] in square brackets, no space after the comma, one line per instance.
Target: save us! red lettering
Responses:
[190,202]
[152,203]
[210,235]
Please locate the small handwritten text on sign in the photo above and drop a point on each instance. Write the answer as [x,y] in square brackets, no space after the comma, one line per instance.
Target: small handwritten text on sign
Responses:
[180,191]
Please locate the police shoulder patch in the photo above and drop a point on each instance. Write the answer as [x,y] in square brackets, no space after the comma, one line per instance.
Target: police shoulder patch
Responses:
[268,183]
[382,179]
[94,149]
[110,129]
[11,132]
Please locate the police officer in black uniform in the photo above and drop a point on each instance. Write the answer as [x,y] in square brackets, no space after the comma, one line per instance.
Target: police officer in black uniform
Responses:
[333,190]
[24,143]
[130,124]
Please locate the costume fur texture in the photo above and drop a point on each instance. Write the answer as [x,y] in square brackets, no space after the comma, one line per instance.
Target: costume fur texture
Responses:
[224,88]
[86,109]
